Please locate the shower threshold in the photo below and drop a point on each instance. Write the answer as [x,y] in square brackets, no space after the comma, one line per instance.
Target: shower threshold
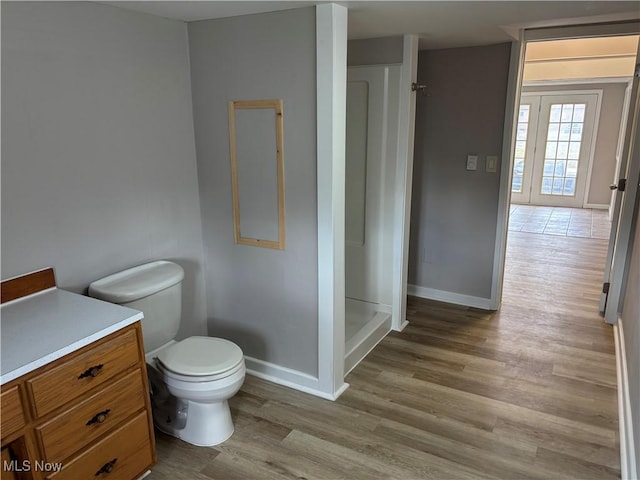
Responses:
[366,324]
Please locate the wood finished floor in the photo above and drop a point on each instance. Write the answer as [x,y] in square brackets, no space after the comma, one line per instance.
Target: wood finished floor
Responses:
[527,392]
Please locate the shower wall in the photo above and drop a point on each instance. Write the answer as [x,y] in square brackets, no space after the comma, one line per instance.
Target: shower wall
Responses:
[372,125]
[371,151]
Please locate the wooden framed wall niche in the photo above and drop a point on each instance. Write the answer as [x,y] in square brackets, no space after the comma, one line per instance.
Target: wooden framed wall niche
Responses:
[257,172]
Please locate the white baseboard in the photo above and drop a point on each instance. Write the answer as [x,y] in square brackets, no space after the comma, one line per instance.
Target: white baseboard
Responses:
[598,206]
[449,297]
[290,378]
[628,461]
[403,326]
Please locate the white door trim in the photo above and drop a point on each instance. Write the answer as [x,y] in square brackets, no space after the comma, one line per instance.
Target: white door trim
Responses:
[512,104]
[404,172]
[576,81]
[623,220]
[626,222]
[626,105]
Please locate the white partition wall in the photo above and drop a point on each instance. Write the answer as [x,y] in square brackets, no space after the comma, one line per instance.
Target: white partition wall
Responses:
[331,54]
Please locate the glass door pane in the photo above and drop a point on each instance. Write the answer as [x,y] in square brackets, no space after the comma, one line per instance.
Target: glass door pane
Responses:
[524,148]
[564,140]
[562,152]
[521,148]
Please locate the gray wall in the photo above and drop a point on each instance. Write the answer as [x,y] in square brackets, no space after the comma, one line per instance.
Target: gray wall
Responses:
[374,51]
[454,211]
[604,160]
[98,158]
[265,300]
[631,324]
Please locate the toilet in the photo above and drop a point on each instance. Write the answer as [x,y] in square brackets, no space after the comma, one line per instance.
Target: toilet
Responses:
[191,380]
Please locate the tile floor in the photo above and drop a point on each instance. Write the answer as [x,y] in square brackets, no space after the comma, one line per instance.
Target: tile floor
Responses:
[562,221]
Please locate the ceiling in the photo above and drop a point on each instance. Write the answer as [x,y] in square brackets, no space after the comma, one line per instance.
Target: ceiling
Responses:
[439,24]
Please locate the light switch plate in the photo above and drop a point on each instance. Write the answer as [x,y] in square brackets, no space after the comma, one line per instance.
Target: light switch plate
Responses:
[492,163]
[472,162]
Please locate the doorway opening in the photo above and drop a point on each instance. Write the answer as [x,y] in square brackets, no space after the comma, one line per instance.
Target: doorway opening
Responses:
[568,150]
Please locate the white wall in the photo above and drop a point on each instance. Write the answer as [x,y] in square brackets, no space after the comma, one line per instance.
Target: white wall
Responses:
[98,160]
[264,300]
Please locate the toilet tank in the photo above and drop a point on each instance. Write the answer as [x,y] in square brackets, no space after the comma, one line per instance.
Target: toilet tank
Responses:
[155,289]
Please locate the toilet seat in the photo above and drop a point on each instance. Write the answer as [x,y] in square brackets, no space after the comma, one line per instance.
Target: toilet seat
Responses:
[207,358]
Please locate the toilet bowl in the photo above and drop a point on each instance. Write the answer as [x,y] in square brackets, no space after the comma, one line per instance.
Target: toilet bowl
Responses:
[204,373]
[191,380]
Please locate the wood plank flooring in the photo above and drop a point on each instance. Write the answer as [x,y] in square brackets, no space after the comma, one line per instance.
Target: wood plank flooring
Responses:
[525,393]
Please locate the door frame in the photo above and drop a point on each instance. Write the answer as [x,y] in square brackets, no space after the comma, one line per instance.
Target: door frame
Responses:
[404,181]
[514,88]
[626,105]
[622,238]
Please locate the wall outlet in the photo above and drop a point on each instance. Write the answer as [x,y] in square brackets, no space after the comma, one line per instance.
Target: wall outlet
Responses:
[472,162]
[492,164]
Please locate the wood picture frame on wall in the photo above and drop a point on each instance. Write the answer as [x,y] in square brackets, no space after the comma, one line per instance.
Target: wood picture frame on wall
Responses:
[257,172]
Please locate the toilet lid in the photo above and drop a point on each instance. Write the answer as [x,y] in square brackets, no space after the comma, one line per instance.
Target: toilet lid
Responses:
[201,356]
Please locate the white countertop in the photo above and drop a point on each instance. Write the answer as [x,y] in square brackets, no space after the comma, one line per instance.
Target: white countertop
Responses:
[45,326]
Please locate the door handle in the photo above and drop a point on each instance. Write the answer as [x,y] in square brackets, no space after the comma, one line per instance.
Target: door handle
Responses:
[622,183]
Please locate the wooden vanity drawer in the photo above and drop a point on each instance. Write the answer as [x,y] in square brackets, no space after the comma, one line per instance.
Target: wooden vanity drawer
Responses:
[127,450]
[68,432]
[11,407]
[82,372]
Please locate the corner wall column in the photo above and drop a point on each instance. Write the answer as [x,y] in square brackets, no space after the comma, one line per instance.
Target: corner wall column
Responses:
[331,84]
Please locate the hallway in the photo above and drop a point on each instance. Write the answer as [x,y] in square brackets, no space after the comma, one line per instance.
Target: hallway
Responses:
[555,259]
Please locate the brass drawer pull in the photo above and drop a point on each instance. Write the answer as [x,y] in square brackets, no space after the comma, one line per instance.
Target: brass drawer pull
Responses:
[99,417]
[107,467]
[91,372]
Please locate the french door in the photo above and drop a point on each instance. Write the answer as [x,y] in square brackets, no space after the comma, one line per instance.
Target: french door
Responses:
[525,148]
[554,147]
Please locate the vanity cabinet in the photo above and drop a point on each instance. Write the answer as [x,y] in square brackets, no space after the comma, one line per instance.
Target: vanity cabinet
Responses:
[85,414]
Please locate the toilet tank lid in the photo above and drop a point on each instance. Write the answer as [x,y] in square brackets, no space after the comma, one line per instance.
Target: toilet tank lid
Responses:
[137,282]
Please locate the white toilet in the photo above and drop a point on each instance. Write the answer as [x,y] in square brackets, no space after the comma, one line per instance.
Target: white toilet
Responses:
[192,379]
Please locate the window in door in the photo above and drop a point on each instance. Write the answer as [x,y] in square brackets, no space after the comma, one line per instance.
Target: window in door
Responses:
[524,148]
[521,148]
[562,153]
